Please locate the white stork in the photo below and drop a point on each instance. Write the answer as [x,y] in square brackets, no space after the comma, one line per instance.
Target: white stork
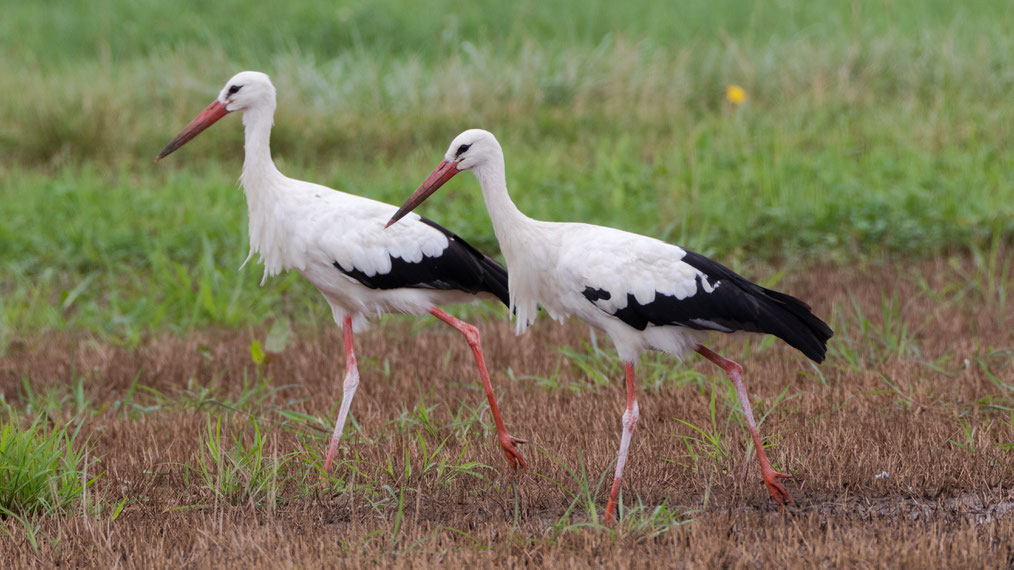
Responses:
[644,293]
[337,241]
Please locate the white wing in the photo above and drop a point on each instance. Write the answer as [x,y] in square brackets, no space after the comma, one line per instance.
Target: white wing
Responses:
[622,263]
[349,230]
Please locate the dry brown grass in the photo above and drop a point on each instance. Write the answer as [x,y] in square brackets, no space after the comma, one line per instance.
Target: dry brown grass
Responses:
[931,411]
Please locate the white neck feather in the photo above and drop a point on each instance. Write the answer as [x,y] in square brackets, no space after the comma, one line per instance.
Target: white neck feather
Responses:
[519,237]
[264,187]
[257,164]
[506,217]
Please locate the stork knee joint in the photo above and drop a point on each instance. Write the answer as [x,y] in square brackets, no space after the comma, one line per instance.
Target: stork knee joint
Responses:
[631,416]
[351,380]
[735,368]
[471,334]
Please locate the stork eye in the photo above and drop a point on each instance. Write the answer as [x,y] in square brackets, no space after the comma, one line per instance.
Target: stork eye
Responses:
[462,149]
[234,89]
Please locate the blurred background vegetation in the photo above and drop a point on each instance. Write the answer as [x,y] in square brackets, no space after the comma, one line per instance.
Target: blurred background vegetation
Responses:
[870,131]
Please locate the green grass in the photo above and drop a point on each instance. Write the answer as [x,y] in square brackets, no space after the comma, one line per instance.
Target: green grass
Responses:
[242,468]
[42,469]
[870,129]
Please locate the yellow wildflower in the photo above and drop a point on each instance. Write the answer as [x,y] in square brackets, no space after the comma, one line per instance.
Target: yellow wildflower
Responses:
[735,94]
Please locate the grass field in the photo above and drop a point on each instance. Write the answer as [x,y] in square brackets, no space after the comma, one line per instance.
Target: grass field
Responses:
[868,172]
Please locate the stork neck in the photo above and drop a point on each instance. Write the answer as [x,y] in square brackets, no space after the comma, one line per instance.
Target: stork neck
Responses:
[257,163]
[264,187]
[502,211]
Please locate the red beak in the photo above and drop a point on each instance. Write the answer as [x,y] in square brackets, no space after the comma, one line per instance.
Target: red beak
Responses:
[205,119]
[435,180]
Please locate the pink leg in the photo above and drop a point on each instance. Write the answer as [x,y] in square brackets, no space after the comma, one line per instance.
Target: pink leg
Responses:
[735,372]
[348,391]
[507,440]
[629,421]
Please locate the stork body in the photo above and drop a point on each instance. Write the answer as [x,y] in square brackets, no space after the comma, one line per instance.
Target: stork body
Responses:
[338,243]
[644,293]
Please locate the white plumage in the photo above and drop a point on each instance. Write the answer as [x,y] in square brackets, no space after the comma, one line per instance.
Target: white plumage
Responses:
[553,271]
[337,241]
[644,293]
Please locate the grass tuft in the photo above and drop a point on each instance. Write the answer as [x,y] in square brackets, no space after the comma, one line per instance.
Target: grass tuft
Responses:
[42,470]
[242,468]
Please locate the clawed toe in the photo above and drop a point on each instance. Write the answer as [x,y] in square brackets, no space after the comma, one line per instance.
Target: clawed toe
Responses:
[514,458]
[777,490]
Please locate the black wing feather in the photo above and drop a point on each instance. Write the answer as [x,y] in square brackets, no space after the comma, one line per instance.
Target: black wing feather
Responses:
[733,304]
[458,267]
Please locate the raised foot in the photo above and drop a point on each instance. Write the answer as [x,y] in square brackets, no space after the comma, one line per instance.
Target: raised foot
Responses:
[775,487]
[514,458]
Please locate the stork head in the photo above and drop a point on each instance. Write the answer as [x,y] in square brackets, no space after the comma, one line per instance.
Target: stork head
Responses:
[473,150]
[245,91]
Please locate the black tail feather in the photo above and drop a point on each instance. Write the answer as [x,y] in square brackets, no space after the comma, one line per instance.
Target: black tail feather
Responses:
[792,321]
[495,279]
[492,276]
[458,267]
[746,306]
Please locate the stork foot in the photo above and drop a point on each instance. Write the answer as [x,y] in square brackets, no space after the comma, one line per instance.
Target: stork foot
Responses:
[514,458]
[775,487]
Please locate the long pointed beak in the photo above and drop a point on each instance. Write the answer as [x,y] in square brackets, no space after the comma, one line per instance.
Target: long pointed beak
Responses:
[205,119]
[435,180]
